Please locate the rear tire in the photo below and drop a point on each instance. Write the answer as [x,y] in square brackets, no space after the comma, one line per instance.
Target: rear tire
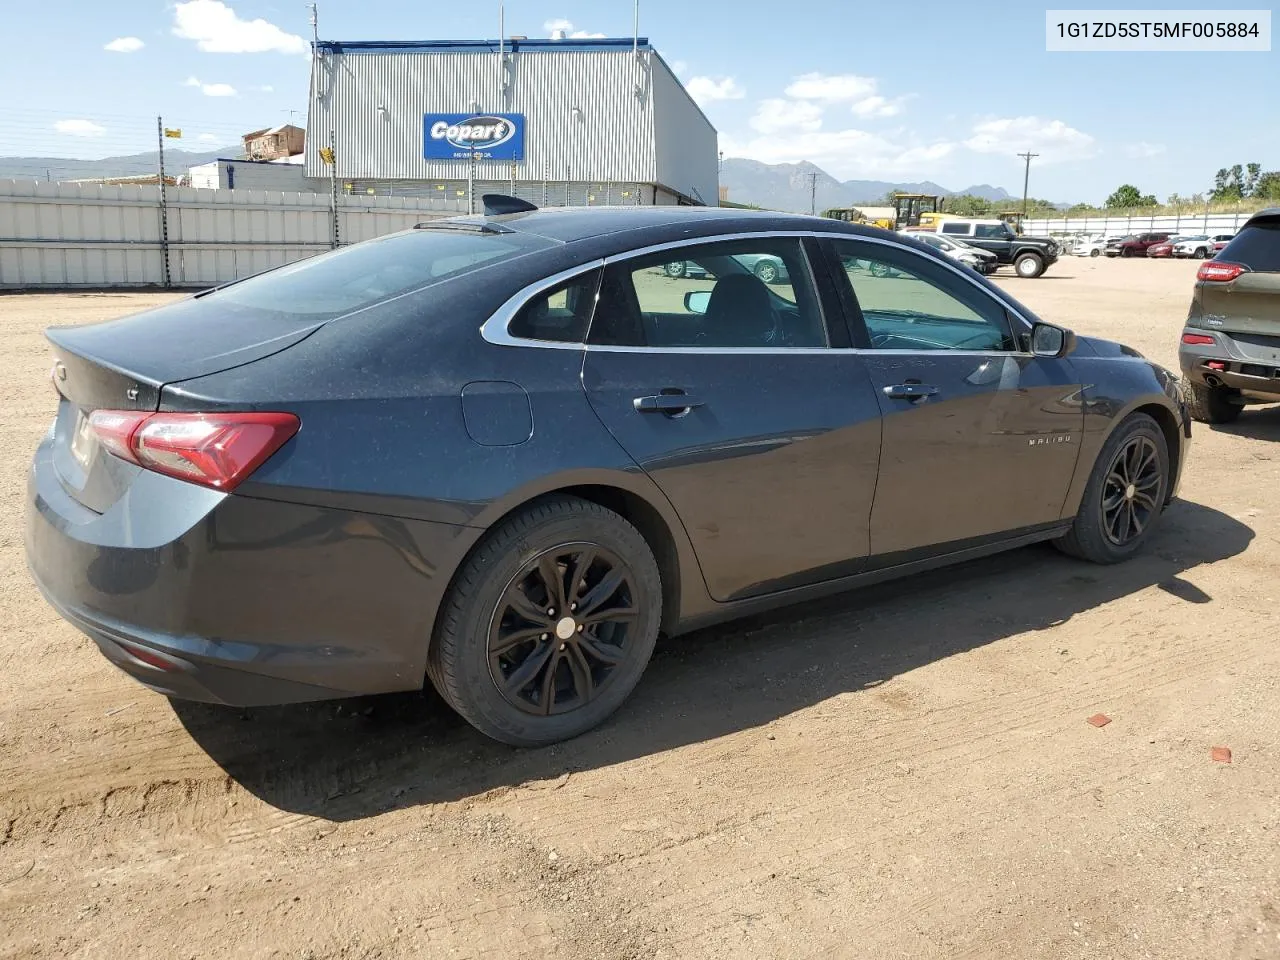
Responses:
[1211,404]
[1028,266]
[1095,253]
[767,272]
[1124,499]
[496,628]
[1202,253]
[675,270]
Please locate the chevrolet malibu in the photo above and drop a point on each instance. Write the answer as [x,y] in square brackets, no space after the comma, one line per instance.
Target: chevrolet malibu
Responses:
[505,452]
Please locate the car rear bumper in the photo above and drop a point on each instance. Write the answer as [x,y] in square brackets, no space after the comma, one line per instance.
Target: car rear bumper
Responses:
[1234,365]
[242,601]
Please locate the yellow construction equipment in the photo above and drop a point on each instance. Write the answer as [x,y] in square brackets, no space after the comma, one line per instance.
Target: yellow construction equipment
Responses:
[854,215]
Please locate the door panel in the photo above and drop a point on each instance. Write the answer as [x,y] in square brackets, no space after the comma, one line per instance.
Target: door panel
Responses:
[979,438]
[772,463]
[993,450]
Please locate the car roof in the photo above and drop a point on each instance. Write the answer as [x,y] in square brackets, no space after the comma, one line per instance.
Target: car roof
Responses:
[570,224]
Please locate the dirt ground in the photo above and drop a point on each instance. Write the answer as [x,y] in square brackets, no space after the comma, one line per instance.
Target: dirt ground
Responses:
[900,772]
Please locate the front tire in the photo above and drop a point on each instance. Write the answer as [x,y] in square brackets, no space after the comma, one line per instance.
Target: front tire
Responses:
[675,270]
[1211,404]
[1125,496]
[1028,266]
[1202,253]
[549,624]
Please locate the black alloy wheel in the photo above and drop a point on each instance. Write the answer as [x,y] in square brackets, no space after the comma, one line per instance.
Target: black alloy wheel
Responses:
[1126,494]
[549,623]
[1130,491]
[561,628]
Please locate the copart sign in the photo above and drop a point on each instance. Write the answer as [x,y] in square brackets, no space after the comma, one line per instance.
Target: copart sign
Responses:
[459,136]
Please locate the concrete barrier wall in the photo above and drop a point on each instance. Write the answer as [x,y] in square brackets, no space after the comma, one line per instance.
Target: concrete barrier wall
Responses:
[93,235]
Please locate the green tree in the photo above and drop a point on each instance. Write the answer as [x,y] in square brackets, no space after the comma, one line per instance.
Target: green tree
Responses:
[1174,201]
[968,205]
[1228,184]
[1267,186]
[1127,196]
[1252,172]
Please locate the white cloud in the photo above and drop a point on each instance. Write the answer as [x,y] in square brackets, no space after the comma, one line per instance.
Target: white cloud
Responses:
[80,128]
[124,45]
[562,29]
[207,138]
[877,106]
[707,89]
[679,66]
[774,116]
[267,89]
[831,87]
[1052,139]
[216,29]
[1143,150]
[211,89]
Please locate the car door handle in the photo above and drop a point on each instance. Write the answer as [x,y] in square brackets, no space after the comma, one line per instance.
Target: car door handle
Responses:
[910,391]
[666,403]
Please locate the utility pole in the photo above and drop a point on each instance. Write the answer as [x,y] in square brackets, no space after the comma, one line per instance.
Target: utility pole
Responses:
[813,194]
[1026,179]
[164,208]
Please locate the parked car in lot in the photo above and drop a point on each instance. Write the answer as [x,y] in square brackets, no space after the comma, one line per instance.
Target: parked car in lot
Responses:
[1029,256]
[1230,350]
[1200,246]
[1220,240]
[504,452]
[1163,249]
[1094,246]
[1136,245]
[983,261]
[767,268]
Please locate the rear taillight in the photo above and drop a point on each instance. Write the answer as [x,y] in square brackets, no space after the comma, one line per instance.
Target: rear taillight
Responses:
[215,450]
[1219,272]
[1197,338]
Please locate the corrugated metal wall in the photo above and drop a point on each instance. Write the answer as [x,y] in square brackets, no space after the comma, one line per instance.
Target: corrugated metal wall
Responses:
[687,146]
[90,235]
[613,138]
[1191,223]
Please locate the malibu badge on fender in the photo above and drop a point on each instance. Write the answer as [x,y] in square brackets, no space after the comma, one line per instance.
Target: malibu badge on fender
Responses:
[457,136]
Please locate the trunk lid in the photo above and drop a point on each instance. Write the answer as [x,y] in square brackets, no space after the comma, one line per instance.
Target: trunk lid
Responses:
[124,364]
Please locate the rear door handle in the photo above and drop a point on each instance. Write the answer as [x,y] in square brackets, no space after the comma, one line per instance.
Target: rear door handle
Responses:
[666,403]
[910,391]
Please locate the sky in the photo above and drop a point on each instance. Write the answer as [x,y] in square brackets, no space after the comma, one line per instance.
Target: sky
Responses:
[913,90]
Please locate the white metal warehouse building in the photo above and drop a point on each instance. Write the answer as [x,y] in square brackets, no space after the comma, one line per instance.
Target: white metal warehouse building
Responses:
[554,121]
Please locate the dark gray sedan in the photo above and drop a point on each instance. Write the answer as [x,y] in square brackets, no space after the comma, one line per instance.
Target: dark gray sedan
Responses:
[506,452]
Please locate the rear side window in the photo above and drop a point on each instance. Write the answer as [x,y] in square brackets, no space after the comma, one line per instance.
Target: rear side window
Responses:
[335,283]
[960,228]
[560,315]
[1257,246]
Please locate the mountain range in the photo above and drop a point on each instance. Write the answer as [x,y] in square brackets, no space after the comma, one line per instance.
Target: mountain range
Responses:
[176,163]
[786,186]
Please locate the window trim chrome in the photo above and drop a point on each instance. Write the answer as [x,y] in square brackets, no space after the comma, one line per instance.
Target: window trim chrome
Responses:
[495,329]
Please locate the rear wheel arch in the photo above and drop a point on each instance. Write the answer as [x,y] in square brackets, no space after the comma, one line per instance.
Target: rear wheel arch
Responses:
[662,531]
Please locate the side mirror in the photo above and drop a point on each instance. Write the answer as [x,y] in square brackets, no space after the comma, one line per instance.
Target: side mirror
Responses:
[697,301]
[1051,342]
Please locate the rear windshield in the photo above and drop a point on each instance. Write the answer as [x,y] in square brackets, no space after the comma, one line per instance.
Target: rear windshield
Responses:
[1257,246]
[332,284]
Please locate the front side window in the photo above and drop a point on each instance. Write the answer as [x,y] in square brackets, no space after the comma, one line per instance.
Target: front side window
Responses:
[991,231]
[740,293]
[910,303]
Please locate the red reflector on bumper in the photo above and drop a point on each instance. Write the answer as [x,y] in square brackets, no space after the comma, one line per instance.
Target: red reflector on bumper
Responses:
[1197,338]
